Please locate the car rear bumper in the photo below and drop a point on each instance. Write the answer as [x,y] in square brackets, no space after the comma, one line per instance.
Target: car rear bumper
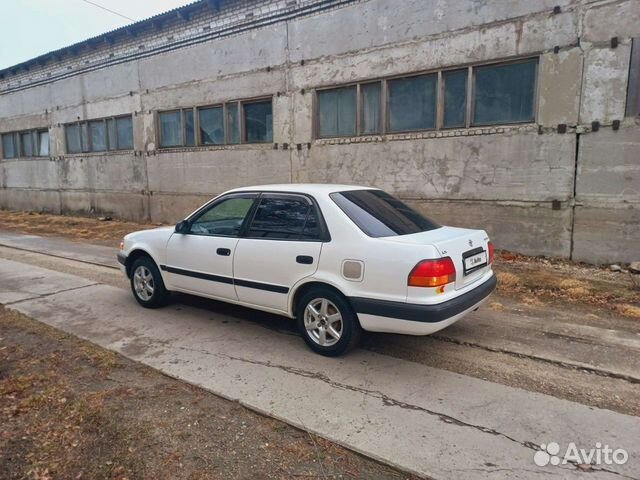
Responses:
[418,319]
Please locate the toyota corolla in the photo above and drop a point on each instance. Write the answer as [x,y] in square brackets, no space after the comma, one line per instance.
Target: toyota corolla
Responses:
[339,259]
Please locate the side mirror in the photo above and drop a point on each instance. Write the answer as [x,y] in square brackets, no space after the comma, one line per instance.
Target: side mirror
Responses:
[183,227]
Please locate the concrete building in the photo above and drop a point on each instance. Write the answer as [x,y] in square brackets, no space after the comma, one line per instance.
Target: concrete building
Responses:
[517,116]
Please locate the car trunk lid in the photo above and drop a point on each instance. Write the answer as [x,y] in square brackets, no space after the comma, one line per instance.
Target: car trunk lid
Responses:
[466,247]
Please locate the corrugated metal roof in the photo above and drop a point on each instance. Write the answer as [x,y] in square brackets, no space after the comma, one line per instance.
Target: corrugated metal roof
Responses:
[109,37]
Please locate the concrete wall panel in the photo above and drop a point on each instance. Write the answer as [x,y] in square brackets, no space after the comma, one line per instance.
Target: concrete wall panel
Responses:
[609,167]
[215,90]
[614,19]
[607,235]
[211,172]
[513,166]
[559,87]
[172,208]
[121,205]
[604,88]
[30,200]
[380,22]
[114,172]
[249,51]
[535,229]
[31,174]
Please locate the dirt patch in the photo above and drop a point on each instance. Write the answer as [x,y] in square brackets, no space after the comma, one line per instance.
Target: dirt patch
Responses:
[536,281]
[74,410]
[99,230]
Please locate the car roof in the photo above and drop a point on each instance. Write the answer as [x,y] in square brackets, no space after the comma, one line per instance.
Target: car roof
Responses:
[309,188]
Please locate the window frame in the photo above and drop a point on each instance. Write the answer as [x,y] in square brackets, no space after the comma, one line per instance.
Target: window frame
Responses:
[86,124]
[534,99]
[325,235]
[34,135]
[387,120]
[226,106]
[632,106]
[217,201]
[439,123]
[243,121]
[286,196]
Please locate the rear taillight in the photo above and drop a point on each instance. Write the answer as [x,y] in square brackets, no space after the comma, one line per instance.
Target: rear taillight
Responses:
[490,247]
[432,273]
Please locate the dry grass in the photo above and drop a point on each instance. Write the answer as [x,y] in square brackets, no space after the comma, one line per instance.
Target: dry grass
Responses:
[507,280]
[71,410]
[627,310]
[537,281]
[105,232]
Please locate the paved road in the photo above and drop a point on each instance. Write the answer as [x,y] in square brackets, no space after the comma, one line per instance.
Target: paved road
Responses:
[427,420]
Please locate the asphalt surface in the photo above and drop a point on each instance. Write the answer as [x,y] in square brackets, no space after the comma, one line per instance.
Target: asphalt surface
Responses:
[528,377]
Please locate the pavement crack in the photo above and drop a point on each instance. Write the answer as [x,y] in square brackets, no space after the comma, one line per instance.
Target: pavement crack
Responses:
[391,402]
[558,363]
[45,295]
[386,400]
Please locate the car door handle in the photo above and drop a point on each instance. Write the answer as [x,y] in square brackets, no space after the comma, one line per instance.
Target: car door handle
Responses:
[304,259]
[225,252]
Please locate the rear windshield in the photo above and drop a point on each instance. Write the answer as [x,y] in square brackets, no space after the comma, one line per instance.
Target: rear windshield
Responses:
[378,214]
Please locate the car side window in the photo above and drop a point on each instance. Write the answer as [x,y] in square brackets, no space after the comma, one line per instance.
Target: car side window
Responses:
[223,218]
[282,218]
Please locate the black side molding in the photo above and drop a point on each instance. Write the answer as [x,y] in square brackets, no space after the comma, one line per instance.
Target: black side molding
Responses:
[200,275]
[424,313]
[228,280]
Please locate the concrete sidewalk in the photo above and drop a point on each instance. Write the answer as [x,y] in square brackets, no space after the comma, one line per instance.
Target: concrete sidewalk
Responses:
[421,419]
[59,247]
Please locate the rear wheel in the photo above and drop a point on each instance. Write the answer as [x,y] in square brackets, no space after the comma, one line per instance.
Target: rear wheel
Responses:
[327,322]
[147,285]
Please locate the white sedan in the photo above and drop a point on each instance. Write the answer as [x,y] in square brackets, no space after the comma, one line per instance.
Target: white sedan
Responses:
[339,259]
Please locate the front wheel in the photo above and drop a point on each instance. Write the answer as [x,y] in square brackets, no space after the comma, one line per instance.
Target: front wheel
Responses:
[327,322]
[147,285]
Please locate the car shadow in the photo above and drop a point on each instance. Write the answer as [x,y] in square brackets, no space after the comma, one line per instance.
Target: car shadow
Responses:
[233,312]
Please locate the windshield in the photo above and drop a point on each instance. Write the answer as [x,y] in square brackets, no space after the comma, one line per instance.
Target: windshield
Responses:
[378,214]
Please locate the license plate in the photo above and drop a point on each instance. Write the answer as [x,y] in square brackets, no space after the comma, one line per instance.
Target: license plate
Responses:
[475,261]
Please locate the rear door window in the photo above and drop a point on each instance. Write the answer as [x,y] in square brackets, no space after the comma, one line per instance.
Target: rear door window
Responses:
[379,214]
[283,217]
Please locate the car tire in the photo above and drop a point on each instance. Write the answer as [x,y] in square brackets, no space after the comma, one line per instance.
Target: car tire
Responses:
[323,314]
[147,285]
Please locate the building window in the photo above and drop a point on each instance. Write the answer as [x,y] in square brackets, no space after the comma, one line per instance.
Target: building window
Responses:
[114,133]
[337,112]
[233,122]
[124,137]
[500,93]
[455,98]
[371,98]
[9,147]
[43,143]
[32,143]
[633,89]
[98,132]
[258,120]
[504,93]
[211,126]
[26,144]
[171,129]
[226,124]
[412,103]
